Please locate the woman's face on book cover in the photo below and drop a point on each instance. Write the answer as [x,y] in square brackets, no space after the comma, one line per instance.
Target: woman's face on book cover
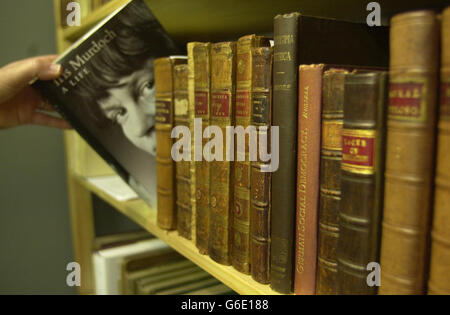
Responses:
[131,104]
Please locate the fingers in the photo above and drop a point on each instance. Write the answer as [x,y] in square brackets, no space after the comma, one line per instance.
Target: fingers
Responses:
[20,73]
[16,76]
[44,105]
[42,119]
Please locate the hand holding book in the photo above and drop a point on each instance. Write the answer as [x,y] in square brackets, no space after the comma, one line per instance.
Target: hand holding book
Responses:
[19,103]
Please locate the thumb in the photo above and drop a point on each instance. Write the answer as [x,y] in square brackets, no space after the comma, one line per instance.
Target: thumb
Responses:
[16,76]
[20,73]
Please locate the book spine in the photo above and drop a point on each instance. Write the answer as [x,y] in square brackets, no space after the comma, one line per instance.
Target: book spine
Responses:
[361,180]
[166,218]
[308,167]
[223,89]
[439,281]
[284,179]
[182,167]
[191,98]
[410,152]
[260,188]
[330,180]
[241,218]
[202,82]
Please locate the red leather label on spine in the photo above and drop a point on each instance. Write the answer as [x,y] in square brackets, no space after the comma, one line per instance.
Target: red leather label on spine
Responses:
[445,100]
[358,151]
[201,103]
[406,101]
[243,104]
[220,104]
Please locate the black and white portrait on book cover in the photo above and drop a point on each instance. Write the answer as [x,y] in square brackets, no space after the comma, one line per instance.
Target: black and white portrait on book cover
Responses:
[107,92]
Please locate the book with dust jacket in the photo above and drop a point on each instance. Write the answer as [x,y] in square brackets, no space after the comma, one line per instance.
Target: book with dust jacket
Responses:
[107,93]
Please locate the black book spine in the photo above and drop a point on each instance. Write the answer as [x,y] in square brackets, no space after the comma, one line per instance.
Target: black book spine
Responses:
[285,79]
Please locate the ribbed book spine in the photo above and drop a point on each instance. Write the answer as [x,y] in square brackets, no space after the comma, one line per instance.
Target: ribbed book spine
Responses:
[260,188]
[362,170]
[439,282]
[410,152]
[182,167]
[191,99]
[202,86]
[241,216]
[223,89]
[330,180]
[285,105]
[165,166]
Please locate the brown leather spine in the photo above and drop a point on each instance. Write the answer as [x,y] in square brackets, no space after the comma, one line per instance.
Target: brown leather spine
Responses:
[285,104]
[183,171]
[191,98]
[309,130]
[439,282]
[223,89]
[241,216]
[202,86]
[410,152]
[362,169]
[330,180]
[260,188]
[165,167]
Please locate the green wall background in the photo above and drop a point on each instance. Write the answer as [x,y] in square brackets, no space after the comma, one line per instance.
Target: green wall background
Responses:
[35,237]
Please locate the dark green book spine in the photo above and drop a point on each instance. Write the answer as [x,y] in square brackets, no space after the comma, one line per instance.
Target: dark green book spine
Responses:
[285,105]
[362,174]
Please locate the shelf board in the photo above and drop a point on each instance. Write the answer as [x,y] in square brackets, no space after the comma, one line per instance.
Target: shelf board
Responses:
[138,211]
[206,20]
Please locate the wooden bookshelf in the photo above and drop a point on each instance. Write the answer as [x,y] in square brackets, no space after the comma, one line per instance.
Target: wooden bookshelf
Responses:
[199,20]
[138,211]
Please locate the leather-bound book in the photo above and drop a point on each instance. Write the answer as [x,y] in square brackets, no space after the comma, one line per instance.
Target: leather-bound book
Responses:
[191,98]
[202,86]
[260,188]
[241,217]
[223,89]
[330,180]
[308,167]
[165,166]
[439,281]
[182,167]
[410,152]
[306,40]
[362,169]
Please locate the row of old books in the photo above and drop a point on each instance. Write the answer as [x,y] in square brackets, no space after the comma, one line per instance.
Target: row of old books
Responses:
[354,189]
[135,263]
[86,7]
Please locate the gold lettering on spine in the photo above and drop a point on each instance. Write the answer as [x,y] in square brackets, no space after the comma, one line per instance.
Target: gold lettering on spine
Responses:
[282,56]
[332,135]
[284,39]
[301,228]
[305,102]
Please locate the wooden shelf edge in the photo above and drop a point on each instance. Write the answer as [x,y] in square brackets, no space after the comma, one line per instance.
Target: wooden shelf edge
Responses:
[142,214]
[73,33]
